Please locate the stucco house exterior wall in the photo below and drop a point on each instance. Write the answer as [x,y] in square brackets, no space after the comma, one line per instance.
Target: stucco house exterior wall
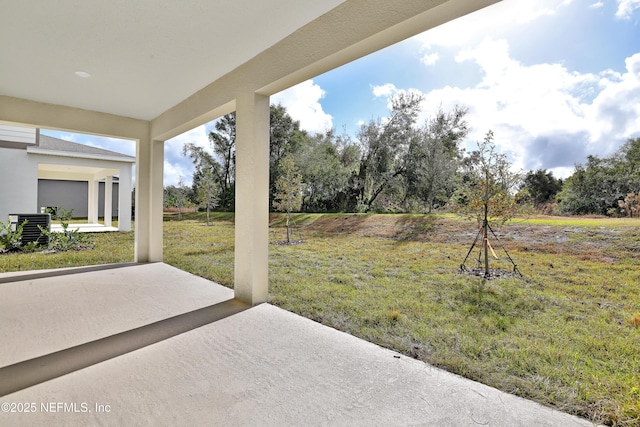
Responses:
[18,183]
[74,195]
[41,171]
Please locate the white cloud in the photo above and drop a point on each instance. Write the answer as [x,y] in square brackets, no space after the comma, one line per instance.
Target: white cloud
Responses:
[626,8]
[177,165]
[535,14]
[493,20]
[73,137]
[173,172]
[616,106]
[385,90]
[303,104]
[543,115]
[430,58]
[123,146]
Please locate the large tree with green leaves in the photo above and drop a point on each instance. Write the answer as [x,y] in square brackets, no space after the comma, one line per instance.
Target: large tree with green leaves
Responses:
[433,157]
[587,190]
[221,164]
[541,186]
[285,137]
[629,154]
[326,163]
[223,141]
[384,145]
[598,186]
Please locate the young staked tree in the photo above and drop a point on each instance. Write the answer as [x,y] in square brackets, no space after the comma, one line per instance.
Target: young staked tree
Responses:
[488,191]
[209,192]
[181,197]
[285,137]
[288,196]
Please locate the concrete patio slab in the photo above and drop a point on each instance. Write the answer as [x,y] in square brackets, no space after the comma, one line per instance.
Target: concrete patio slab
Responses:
[83,228]
[42,315]
[248,366]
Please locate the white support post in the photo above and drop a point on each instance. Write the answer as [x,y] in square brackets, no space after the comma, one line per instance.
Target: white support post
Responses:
[92,209]
[108,200]
[251,257]
[149,193]
[124,199]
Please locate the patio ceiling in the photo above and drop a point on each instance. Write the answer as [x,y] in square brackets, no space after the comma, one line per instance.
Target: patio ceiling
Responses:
[174,62]
[143,56]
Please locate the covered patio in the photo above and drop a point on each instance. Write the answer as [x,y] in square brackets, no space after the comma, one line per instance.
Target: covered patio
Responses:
[148,344]
[183,71]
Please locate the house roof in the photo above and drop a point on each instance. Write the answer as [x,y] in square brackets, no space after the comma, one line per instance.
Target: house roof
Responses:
[49,145]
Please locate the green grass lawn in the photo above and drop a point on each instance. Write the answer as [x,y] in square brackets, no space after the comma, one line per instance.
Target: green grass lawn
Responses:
[565,335]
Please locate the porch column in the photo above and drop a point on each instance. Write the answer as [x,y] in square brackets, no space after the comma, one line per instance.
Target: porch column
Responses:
[92,209]
[149,192]
[124,199]
[108,197]
[251,257]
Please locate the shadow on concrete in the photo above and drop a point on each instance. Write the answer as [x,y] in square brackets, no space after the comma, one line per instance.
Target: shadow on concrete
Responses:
[40,369]
[43,274]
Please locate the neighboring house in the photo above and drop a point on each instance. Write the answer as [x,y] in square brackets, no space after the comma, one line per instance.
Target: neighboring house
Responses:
[39,171]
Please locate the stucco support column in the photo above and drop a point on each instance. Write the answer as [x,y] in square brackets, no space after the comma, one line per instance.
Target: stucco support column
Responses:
[92,209]
[124,199]
[149,192]
[251,257]
[108,200]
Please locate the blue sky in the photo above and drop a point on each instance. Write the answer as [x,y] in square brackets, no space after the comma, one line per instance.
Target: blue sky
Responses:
[556,80]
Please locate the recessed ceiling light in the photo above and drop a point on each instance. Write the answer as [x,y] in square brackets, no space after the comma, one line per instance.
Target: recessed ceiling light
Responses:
[83,74]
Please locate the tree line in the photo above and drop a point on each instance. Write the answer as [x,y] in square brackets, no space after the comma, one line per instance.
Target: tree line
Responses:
[605,186]
[397,165]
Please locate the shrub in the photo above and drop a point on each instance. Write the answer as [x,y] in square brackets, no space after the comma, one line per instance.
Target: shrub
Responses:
[630,205]
[67,240]
[10,239]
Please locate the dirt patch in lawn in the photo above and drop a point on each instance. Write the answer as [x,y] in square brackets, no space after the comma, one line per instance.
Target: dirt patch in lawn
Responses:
[587,243]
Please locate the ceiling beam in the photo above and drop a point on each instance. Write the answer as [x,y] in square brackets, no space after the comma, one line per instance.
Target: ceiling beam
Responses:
[51,116]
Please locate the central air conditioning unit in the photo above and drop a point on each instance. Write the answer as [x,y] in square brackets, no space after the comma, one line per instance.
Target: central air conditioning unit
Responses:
[31,232]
